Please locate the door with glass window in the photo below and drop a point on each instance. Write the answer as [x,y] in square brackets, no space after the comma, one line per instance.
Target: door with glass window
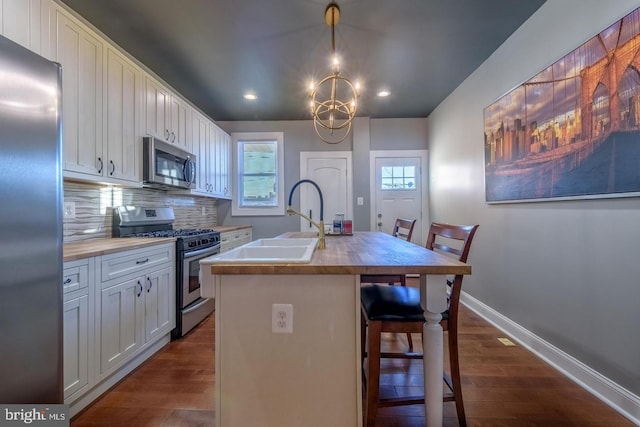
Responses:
[398,193]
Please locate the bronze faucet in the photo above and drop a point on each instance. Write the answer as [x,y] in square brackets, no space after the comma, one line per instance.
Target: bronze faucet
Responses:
[319,225]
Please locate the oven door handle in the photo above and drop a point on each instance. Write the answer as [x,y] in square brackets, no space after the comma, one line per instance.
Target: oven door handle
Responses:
[214,249]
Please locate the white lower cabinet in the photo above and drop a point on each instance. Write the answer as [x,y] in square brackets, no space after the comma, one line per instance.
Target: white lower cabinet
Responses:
[235,238]
[77,326]
[122,315]
[133,313]
[159,313]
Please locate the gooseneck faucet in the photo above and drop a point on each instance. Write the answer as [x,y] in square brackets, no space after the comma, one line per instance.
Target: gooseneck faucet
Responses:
[319,225]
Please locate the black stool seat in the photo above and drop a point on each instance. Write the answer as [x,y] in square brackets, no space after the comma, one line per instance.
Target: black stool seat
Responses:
[398,303]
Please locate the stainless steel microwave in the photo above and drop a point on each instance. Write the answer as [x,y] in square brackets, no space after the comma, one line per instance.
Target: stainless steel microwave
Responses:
[167,166]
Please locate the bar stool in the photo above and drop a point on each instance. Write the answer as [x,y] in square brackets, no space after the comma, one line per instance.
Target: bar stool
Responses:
[397,309]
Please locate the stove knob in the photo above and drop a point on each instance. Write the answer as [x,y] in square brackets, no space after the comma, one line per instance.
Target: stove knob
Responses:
[192,244]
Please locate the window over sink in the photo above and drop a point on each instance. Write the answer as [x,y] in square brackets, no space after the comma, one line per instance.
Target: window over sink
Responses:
[258,160]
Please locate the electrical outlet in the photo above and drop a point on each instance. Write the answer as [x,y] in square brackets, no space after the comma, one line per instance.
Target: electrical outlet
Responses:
[360,201]
[69,210]
[282,318]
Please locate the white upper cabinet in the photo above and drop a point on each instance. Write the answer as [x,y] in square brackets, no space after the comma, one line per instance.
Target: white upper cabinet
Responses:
[80,51]
[167,116]
[102,105]
[26,22]
[200,147]
[221,161]
[123,93]
[212,146]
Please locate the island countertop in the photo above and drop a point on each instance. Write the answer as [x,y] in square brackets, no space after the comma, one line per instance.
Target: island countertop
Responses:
[361,253]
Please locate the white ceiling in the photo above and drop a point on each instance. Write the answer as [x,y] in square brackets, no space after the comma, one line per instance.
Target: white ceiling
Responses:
[212,51]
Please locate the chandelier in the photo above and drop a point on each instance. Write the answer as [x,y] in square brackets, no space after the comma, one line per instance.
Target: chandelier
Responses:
[333,101]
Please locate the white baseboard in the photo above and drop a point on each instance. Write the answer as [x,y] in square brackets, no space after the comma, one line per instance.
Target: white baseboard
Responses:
[617,397]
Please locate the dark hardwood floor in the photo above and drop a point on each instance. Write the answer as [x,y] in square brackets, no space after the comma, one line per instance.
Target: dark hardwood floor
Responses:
[502,386]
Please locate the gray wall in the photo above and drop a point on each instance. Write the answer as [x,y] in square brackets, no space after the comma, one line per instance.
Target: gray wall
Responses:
[566,271]
[368,134]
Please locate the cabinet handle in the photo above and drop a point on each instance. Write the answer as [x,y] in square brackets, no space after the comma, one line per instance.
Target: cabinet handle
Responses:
[150,284]
[101,165]
[113,167]
[139,284]
[166,134]
[143,261]
[67,281]
[173,137]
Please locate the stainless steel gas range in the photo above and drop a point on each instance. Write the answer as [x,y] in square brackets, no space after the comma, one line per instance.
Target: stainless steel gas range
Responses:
[192,245]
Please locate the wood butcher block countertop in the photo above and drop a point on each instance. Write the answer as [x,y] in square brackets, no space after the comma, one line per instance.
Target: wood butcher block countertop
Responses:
[96,247]
[226,228]
[361,253]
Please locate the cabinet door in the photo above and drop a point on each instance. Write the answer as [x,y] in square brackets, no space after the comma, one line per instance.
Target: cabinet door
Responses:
[121,322]
[157,109]
[180,118]
[26,22]
[159,303]
[123,95]
[219,159]
[76,344]
[199,143]
[213,159]
[80,52]
[225,165]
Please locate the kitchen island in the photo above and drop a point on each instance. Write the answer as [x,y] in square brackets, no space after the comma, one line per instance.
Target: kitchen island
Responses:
[312,376]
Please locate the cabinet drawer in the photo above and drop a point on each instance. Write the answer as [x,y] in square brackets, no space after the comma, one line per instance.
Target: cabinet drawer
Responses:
[241,235]
[123,263]
[75,276]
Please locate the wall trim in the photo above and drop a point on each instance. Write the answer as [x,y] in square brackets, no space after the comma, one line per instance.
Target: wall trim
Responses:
[617,397]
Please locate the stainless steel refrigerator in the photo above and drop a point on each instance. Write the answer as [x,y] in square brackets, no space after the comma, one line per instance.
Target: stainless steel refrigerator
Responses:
[30,227]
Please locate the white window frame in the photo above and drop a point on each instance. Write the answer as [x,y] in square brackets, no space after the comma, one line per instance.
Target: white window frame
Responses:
[236,209]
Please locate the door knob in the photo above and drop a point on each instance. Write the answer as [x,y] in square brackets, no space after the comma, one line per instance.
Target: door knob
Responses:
[379,215]
[379,224]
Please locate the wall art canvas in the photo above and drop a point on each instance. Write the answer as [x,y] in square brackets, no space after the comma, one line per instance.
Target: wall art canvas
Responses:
[573,130]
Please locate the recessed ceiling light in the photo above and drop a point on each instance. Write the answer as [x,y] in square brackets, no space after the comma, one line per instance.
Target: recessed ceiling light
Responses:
[383,93]
[250,96]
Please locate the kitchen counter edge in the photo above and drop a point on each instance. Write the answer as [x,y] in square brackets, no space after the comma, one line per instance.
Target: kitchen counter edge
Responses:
[362,253]
[227,228]
[95,247]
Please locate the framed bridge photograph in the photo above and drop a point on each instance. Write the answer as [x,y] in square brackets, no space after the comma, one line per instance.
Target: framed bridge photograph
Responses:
[572,130]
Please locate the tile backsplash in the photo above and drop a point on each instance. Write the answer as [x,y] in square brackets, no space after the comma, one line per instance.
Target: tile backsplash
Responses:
[94,207]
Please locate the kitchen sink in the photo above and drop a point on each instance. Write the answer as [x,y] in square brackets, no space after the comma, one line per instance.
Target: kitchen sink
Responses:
[267,251]
[284,242]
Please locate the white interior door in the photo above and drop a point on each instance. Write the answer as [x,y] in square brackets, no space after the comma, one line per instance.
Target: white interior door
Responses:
[399,191]
[331,170]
